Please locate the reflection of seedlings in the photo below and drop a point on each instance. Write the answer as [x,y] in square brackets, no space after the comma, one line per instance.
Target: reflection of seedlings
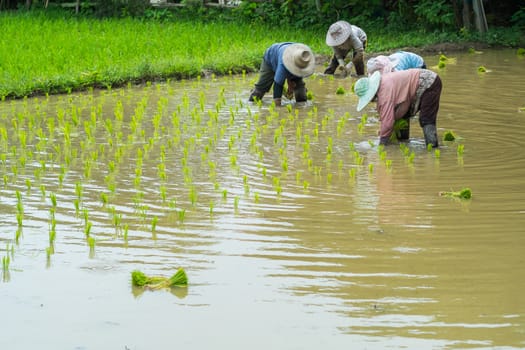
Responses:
[211,207]
[18,234]
[125,233]
[298,177]
[460,149]
[52,230]
[6,261]
[19,209]
[87,228]
[181,214]
[464,193]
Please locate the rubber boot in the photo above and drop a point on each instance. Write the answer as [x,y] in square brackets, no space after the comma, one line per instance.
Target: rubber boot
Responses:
[256,95]
[430,133]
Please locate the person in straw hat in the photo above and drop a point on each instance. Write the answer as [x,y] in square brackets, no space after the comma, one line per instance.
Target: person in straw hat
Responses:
[284,62]
[400,60]
[401,94]
[344,37]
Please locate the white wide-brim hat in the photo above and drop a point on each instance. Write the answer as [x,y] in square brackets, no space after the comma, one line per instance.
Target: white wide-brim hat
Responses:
[299,60]
[338,33]
[366,89]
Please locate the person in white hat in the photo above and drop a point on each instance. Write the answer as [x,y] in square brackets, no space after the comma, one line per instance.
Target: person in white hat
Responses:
[344,37]
[400,95]
[400,60]
[284,62]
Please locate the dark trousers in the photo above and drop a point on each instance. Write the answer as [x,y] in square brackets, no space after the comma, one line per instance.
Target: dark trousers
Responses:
[429,103]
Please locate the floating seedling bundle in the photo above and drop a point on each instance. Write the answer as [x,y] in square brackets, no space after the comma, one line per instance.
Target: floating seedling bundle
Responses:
[464,193]
[140,279]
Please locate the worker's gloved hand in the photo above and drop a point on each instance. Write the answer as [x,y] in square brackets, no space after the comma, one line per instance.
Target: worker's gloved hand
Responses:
[343,71]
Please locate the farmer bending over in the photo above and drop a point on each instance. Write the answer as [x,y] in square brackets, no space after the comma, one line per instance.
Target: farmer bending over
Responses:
[344,37]
[290,62]
[401,60]
[401,95]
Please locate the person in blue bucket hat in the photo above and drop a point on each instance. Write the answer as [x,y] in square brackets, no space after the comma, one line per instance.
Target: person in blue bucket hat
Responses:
[401,60]
[401,94]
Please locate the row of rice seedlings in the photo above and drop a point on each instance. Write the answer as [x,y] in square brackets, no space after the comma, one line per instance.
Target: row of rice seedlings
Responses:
[205,125]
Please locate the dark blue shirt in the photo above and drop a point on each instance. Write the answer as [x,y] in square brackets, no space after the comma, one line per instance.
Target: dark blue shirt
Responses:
[274,57]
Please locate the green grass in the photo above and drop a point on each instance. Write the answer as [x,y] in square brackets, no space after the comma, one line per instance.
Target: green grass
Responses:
[45,52]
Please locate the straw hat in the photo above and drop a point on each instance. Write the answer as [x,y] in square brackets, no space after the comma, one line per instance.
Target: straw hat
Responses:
[381,63]
[366,89]
[338,33]
[299,60]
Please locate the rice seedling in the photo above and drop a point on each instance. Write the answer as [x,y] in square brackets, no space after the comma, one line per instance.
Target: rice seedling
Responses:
[437,153]
[154,222]
[460,149]
[464,193]
[139,279]
[520,51]
[181,215]
[91,243]
[340,91]
[482,69]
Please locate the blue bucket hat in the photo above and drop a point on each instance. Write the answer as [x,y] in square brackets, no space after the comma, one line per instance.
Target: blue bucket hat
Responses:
[366,89]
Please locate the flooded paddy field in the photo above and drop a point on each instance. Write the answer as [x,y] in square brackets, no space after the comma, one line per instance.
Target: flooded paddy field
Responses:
[295,229]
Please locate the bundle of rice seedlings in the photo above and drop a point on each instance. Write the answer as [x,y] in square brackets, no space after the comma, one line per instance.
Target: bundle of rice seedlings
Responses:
[465,193]
[140,279]
[449,136]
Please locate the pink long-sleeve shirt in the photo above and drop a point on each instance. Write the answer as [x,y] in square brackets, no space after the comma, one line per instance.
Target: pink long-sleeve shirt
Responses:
[397,91]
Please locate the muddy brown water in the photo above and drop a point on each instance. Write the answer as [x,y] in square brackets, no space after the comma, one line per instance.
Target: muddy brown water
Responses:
[295,230]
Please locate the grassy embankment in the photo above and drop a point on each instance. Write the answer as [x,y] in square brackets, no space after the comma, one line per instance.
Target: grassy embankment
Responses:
[55,54]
